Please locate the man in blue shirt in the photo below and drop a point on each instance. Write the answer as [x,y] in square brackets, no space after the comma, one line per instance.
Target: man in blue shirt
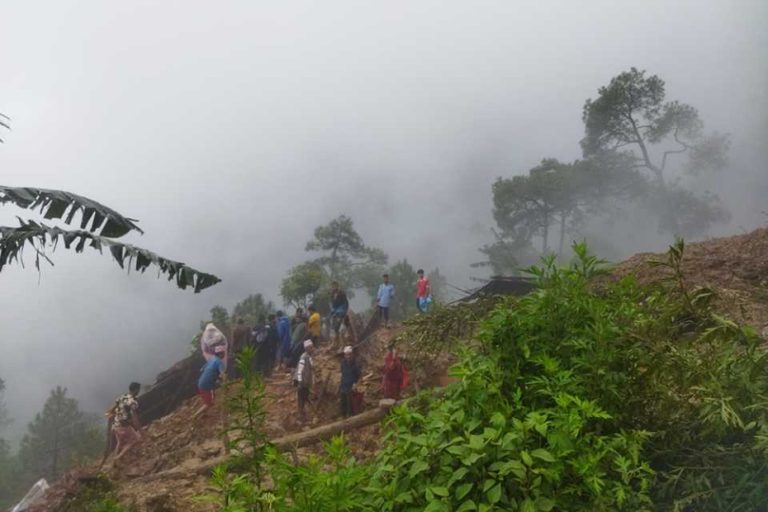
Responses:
[384,298]
[210,373]
[284,333]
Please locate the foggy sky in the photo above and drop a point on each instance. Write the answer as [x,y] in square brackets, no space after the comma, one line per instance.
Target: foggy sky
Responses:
[232,129]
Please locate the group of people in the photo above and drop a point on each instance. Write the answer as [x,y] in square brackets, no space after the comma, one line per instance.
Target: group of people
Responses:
[284,343]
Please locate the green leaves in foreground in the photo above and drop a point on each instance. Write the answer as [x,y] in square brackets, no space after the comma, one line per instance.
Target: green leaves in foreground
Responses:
[578,398]
[58,204]
[39,236]
[99,226]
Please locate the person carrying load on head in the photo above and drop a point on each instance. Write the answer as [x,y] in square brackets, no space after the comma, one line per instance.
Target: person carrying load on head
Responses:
[350,374]
[125,420]
[211,372]
[212,338]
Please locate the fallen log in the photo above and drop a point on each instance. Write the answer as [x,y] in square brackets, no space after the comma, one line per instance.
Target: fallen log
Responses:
[289,442]
[324,432]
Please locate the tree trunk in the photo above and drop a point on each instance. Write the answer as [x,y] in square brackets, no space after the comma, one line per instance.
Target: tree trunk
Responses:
[562,235]
[327,431]
[288,442]
[545,236]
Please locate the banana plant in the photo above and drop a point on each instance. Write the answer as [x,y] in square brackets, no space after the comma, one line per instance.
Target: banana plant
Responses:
[99,227]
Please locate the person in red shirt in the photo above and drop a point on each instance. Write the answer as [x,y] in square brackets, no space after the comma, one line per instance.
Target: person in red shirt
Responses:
[395,375]
[422,291]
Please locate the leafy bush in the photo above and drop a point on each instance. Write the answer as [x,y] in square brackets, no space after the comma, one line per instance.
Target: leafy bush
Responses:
[585,395]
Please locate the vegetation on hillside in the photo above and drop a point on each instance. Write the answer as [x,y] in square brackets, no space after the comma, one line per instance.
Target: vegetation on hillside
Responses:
[577,398]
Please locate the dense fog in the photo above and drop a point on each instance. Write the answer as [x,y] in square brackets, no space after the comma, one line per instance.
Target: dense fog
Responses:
[232,130]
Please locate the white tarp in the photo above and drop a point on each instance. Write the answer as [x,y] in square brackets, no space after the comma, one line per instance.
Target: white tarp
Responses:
[34,493]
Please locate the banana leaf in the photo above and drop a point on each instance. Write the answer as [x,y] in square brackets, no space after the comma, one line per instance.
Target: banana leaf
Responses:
[58,204]
[13,240]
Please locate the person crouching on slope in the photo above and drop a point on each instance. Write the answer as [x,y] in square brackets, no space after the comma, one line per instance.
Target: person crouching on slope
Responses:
[211,372]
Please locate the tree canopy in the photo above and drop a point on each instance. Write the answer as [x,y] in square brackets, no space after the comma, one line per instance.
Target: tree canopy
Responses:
[630,116]
[343,257]
[57,436]
[632,137]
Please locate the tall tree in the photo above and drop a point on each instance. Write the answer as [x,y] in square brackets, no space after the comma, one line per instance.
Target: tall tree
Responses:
[528,206]
[10,481]
[220,317]
[630,116]
[303,283]
[253,307]
[344,257]
[57,436]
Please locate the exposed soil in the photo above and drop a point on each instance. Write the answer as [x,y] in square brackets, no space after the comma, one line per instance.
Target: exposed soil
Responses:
[177,442]
[736,267]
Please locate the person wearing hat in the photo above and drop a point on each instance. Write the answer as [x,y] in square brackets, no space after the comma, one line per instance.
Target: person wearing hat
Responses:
[211,372]
[350,374]
[384,299]
[304,378]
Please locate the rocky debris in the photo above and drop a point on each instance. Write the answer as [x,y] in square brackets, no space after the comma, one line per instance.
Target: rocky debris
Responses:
[735,267]
[177,444]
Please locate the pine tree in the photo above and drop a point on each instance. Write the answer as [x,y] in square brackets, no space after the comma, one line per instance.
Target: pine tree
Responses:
[57,437]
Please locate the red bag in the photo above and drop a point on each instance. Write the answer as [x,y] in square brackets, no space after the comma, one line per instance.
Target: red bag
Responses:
[357,402]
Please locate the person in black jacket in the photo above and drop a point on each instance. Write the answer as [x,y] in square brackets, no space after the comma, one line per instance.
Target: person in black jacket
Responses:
[350,374]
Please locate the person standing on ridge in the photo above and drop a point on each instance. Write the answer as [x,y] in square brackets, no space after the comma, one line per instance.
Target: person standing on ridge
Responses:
[125,420]
[422,292]
[209,376]
[384,299]
[304,377]
[350,374]
[339,310]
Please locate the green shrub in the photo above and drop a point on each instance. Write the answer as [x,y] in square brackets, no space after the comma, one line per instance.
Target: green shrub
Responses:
[585,395]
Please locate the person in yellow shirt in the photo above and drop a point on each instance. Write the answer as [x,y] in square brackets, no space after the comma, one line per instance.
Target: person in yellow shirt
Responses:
[314,325]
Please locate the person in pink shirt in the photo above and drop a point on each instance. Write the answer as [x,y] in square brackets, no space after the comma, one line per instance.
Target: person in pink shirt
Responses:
[422,291]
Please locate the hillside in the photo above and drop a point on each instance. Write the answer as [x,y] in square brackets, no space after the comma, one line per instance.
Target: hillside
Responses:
[736,267]
[176,445]
[171,465]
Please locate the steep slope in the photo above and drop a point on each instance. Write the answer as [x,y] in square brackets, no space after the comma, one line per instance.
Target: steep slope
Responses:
[180,445]
[736,267]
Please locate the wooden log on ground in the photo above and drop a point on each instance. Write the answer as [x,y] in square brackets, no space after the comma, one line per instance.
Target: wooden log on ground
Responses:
[284,443]
[324,432]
